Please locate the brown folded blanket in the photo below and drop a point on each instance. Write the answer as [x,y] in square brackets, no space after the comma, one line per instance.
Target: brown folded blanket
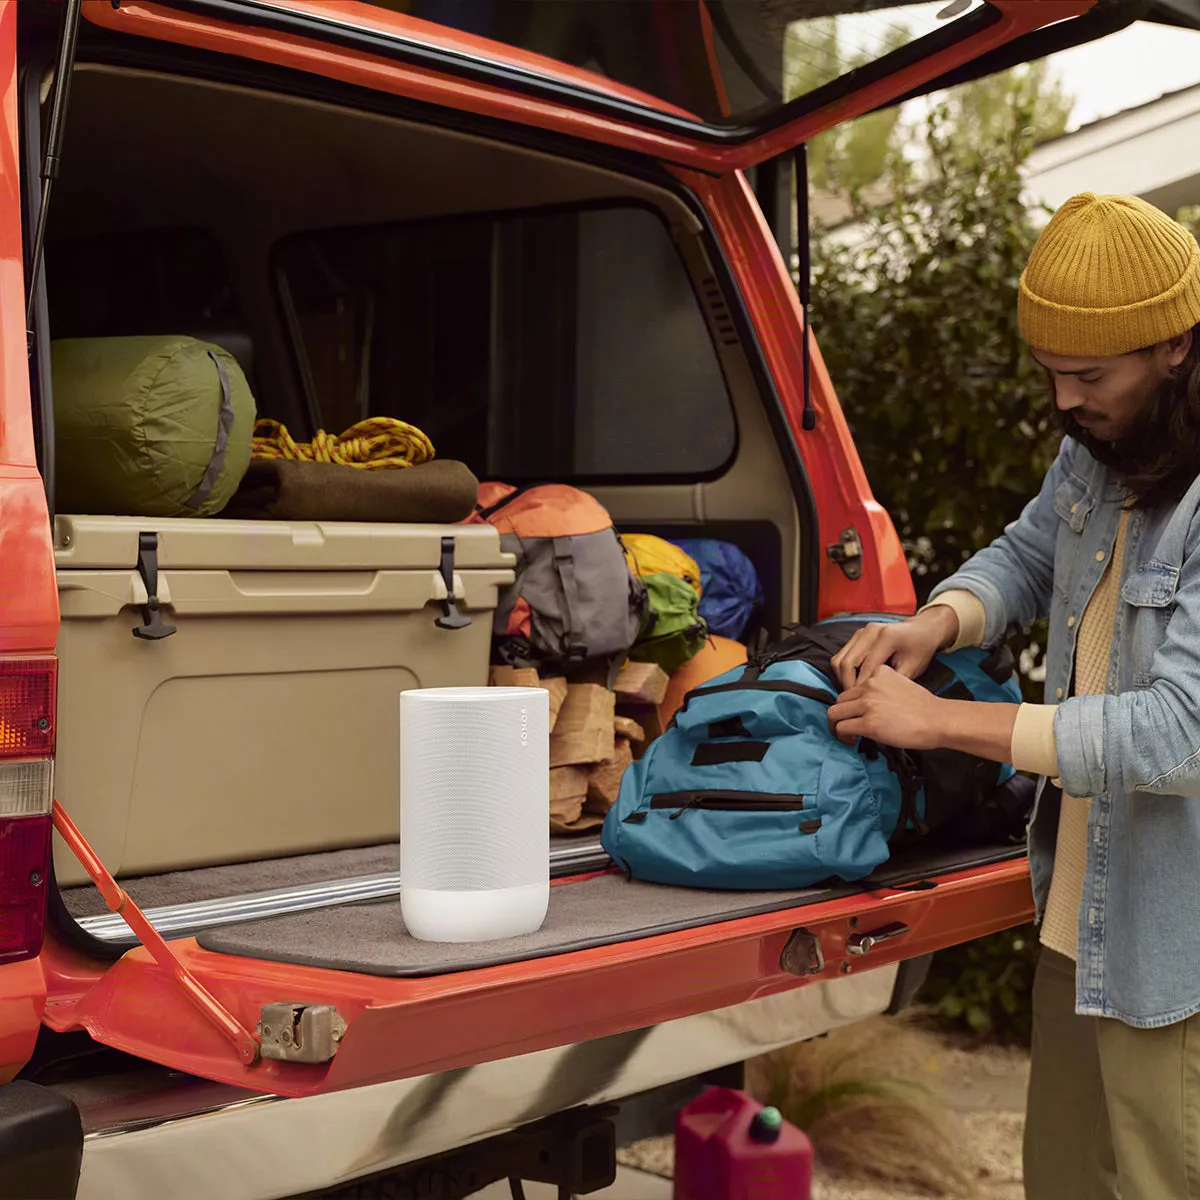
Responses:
[442,492]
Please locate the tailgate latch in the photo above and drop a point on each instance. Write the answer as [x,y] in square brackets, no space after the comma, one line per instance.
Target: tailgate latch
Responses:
[307,1033]
[848,553]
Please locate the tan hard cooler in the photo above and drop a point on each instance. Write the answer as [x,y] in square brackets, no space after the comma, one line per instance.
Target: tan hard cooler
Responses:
[267,723]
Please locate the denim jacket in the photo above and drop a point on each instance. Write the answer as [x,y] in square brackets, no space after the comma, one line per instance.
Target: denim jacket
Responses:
[1135,750]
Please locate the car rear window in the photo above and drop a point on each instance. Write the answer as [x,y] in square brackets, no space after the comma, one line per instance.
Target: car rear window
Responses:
[558,343]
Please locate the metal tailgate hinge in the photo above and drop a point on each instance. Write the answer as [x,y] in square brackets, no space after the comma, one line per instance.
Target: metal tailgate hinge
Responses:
[307,1033]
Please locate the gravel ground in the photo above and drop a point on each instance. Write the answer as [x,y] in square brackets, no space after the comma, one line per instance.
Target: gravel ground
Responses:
[985,1087]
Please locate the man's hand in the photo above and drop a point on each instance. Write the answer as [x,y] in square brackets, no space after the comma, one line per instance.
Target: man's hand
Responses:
[891,709]
[907,646]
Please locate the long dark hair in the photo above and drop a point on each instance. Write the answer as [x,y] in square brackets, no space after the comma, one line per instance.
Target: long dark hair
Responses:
[1159,458]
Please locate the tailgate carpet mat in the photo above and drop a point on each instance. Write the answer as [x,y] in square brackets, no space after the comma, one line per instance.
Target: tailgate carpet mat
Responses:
[596,911]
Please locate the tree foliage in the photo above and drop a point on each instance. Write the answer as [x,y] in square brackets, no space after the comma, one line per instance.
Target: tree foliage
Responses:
[855,155]
[985,987]
[917,319]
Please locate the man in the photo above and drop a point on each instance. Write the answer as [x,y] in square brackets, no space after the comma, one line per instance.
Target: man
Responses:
[1109,550]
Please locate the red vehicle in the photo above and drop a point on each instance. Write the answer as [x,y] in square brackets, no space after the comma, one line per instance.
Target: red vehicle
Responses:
[547,234]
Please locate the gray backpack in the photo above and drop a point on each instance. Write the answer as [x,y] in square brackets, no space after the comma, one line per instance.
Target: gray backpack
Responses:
[574,600]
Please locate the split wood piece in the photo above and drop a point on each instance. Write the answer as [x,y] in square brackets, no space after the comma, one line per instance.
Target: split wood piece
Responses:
[514,677]
[642,683]
[586,822]
[568,792]
[604,779]
[627,727]
[557,687]
[648,719]
[584,732]
[528,677]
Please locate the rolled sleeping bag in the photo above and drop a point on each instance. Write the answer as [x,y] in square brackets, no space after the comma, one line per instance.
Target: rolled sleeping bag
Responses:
[152,426]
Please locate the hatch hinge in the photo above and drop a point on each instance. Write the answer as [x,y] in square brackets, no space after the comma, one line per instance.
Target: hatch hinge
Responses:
[848,553]
[305,1033]
[211,1010]
[451,618]
[155,628]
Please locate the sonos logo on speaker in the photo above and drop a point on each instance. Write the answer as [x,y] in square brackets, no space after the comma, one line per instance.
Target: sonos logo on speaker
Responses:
[524,727]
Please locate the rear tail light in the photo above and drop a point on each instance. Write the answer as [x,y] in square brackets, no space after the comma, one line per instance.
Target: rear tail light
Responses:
[28,696]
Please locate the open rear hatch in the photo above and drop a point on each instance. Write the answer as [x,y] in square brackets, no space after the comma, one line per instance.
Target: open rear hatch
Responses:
[701,83]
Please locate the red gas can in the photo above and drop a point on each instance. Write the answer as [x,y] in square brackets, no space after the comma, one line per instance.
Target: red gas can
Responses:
[728,1147]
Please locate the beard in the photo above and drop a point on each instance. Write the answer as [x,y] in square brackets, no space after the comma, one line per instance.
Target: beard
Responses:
[1157,457]
[1134,451]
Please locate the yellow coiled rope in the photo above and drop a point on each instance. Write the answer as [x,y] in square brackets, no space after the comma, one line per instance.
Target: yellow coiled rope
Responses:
[378,443]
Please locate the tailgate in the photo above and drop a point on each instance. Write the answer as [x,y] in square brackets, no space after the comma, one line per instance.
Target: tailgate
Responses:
[460,1011]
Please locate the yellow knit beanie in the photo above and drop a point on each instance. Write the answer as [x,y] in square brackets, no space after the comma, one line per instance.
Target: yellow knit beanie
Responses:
[1109,274]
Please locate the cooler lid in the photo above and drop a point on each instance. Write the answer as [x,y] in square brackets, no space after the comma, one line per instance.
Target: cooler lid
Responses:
[197,544]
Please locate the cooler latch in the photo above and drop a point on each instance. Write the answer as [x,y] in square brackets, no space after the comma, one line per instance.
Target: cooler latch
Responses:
[451,618]
[155,628]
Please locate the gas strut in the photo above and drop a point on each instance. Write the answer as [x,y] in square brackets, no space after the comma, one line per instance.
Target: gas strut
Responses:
[53,153]
[804,264]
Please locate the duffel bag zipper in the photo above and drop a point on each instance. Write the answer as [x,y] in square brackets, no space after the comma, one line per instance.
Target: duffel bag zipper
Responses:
[726,801]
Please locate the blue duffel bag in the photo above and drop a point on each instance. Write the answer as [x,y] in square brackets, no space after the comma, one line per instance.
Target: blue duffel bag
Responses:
[747,788]
[730,589]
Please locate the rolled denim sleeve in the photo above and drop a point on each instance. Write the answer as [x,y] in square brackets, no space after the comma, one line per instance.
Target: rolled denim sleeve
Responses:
[1147,739]
[1013,576]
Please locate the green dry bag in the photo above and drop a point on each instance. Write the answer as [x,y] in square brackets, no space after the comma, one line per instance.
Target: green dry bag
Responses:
[149,426]
[675,630]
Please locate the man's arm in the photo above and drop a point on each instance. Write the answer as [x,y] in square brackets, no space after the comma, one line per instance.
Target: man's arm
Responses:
[1009,581]
[1012,578]
[1143,740]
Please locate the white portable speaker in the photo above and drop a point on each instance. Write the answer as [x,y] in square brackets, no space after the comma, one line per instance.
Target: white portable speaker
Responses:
[474,812]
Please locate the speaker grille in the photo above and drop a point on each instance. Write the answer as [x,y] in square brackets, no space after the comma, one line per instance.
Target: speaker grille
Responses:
[474,788]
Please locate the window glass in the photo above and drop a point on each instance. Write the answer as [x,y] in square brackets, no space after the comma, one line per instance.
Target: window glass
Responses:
[563,344]
[728,62]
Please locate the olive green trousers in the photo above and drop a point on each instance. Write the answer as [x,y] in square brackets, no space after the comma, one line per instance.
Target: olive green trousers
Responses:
[1113,1111]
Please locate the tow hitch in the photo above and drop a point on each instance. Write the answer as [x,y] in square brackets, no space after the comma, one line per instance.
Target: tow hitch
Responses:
[576,1151]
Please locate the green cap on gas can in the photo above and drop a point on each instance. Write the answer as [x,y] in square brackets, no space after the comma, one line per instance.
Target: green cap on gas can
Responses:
[766,1125]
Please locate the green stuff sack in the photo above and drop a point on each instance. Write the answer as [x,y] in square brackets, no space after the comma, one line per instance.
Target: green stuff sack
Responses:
[149,426]
[675,630]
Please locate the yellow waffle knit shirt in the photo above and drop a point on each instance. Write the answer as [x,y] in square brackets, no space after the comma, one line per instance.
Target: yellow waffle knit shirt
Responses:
[1093,653]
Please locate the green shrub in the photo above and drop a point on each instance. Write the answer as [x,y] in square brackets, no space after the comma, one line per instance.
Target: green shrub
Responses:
[984,988]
